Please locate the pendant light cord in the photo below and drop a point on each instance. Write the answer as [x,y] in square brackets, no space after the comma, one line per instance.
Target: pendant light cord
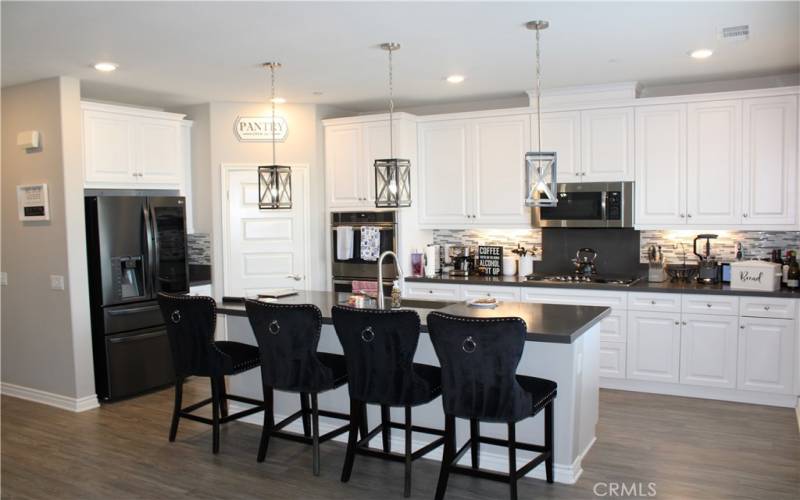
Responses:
[391,107]
[538,91]
[272,100]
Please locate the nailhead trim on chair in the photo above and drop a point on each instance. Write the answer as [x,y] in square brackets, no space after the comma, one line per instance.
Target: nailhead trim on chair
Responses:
[269,305]
[191,298]
[465,319]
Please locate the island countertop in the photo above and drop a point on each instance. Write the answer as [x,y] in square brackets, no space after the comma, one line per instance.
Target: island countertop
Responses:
[560,324]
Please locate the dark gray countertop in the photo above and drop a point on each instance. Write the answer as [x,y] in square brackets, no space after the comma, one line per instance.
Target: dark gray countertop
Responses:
[641,286]
[551,323]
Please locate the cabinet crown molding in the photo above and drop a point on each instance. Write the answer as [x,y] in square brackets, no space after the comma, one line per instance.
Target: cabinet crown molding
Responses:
[129,110]
[586,94]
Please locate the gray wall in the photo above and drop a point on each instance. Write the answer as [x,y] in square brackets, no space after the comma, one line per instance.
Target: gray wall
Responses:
[39,350]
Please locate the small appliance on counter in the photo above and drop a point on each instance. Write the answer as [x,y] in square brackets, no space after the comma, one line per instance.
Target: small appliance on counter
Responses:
[432,261]
[708,267]
[584,262]
[462,261]
[756,275]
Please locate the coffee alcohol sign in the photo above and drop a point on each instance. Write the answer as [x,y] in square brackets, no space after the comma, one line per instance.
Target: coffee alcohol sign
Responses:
[261,129]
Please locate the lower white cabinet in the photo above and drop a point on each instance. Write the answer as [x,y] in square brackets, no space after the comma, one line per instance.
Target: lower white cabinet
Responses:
[709,350]
[766,351]
[654,342]
[612,359]
[509,293]
[432,291]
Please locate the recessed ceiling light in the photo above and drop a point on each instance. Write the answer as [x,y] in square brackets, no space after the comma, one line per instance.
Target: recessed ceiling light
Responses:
[455,78]
[701,53]
[278,100]
[105,67]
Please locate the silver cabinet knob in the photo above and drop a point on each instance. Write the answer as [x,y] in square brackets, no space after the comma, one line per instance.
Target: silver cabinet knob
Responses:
[677,323]
[689,215]
[744,215]
[681,216]
[683,323]
[653,302]
[742,327]
[766,308]
[709,305]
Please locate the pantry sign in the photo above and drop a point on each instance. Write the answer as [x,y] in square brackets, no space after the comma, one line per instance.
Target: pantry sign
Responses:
[260,129]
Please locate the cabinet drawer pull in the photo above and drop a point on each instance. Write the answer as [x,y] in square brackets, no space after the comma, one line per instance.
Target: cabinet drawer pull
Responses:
[653,302]
[709,305]
[766,308]
[677,323]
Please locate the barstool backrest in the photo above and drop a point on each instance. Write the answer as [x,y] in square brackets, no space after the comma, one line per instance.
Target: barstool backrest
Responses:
[190,323]
[379,347]
[479,358]
[287,336]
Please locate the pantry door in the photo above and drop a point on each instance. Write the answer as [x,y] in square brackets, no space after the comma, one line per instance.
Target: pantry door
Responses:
[263,248]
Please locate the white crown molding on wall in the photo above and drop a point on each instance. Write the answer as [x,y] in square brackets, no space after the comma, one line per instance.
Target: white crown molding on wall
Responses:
[50,399]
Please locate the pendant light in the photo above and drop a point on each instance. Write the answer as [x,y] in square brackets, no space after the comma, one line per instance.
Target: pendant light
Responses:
[540,166]
[274,181]
[392,175]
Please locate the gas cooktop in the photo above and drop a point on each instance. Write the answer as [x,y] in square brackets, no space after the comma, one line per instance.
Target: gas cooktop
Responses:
[620,280]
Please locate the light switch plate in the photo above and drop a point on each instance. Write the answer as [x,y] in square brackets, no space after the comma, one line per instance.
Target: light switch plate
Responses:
[56,282]
[3,278]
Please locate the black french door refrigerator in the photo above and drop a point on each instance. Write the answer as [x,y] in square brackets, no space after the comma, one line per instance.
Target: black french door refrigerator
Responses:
[136,248]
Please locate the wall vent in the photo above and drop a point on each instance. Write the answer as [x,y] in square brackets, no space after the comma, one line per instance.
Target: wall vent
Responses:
[735,33]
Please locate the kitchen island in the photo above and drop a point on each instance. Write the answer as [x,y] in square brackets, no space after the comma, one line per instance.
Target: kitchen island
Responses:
[563,346]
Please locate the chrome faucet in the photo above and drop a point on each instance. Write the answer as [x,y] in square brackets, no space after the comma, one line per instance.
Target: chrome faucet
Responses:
[380,274]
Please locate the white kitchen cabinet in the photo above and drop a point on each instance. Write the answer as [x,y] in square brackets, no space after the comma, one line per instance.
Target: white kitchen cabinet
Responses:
[612,359]
[725,305]
[446,186]
[344,167]
[432,291]
[653,351]
[607,150]
[561,132]
[507,293]
[709,350]
[661,165]
[498,170]
[766,353]
[770,161]
[768,307]
[653,301]
[132,148]
[714,166]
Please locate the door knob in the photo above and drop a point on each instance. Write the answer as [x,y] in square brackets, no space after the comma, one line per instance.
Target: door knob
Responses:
[296,277]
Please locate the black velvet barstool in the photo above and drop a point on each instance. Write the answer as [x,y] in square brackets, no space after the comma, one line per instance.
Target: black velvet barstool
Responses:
[479,359]
[379,347]
[287,336]
[190,323]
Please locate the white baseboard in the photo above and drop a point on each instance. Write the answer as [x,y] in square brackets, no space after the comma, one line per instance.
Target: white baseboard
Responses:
[562,473]
[50,399]
[693,391]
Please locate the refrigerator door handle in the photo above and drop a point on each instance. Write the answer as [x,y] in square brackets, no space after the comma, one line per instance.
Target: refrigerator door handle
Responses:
[132,310]
[135,338]
[151,255]
[156,252]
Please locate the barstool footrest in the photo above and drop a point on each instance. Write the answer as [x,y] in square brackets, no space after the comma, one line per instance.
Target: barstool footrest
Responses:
[363,448]
[455,468]
[187,412]
[277,431]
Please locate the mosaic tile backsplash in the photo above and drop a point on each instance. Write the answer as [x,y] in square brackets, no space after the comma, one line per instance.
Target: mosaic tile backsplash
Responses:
[199,249]
[756,244]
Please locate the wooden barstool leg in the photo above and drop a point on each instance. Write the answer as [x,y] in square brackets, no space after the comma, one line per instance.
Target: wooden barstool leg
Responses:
[475,436]
[548,440]
[269,423]
[512,460]
[306,417]
[315,434]
[215,414]
[356,408]
[407,478]
[447,456]
[223,397]
[176,411]
[386,430]
[363,423]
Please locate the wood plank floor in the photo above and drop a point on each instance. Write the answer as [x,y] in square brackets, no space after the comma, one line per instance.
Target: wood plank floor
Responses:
[689,449]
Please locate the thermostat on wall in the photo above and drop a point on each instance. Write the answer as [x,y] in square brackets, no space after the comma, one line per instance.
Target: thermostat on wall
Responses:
[32,202]
[28,139]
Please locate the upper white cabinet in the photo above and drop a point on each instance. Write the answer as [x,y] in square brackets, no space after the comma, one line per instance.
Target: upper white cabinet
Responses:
[770,160]
[726,163]
[472,172]
[130,147]
[607,145]
[351,148]
[714,166]
[661,165]
[561,132]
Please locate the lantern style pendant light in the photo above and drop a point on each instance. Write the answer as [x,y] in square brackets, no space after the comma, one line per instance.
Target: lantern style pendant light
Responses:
[392,175]
[540,167]
[274,181]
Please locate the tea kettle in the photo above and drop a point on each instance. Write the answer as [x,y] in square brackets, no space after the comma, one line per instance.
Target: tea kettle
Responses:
[708,271]
[584,261]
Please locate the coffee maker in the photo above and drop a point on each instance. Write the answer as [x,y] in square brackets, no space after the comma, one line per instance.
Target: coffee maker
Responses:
[462,261]
[708,269]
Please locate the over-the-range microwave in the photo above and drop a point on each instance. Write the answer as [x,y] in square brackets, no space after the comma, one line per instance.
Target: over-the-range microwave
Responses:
[588,204]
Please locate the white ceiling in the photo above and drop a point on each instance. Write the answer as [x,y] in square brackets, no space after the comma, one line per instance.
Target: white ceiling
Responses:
[175,53]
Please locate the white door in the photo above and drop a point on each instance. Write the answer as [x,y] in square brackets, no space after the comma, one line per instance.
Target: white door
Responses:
[654,341]
[766,351]
[709,350]
[343,162]
[158,150]
[108,148]
[714,169]
[561,132]
[661,165]
[500,146]
[607,145]
[445,180]
[263,248]
[770,160]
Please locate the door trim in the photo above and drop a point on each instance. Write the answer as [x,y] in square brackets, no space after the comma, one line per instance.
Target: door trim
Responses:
[225,170]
